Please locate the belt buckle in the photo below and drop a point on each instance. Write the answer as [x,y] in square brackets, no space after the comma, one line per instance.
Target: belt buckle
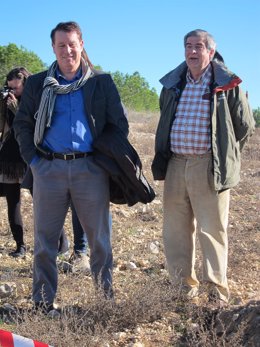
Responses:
[69,156]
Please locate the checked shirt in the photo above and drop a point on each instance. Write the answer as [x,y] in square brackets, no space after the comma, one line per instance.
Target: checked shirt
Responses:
[190,133]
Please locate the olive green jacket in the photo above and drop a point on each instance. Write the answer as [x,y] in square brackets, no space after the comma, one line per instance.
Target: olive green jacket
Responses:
[232,123]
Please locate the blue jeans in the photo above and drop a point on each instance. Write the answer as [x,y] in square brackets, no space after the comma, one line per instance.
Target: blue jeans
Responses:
[80,237]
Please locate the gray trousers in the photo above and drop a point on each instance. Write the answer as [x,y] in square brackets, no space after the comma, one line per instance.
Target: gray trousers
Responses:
[56,183]
[191,204]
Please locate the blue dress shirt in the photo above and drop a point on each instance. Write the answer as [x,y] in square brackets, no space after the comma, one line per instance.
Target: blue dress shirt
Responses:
[69,130]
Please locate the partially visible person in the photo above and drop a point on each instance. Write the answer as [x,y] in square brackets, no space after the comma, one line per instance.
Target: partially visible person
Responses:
[62,111]
[80,238]
[205,122]
[79,257]
[12,166]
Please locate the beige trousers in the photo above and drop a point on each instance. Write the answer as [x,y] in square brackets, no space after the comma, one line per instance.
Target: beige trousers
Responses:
[192,205]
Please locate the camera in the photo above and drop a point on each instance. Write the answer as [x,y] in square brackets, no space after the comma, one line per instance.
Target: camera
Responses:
[4,92]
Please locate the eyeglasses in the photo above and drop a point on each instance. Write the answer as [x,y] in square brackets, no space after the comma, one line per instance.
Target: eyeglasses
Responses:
[198,47]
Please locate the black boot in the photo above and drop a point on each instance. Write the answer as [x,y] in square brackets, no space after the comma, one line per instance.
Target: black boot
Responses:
[17,231]
[19,252]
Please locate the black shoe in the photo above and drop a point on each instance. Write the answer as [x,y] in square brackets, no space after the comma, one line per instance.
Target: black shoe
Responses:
[50,310]
[109,294]
[19,252]
[43,307]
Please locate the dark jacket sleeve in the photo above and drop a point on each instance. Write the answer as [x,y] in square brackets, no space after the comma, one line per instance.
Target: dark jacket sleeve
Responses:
[24,122]
[162,146]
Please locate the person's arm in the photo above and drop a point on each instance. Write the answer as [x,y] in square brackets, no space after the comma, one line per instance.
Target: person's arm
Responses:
[242,116]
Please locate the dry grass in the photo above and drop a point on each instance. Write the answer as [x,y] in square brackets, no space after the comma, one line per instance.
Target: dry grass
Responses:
[147,310]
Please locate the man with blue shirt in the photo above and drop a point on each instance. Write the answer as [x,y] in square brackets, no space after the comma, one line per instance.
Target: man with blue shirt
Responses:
[62,111]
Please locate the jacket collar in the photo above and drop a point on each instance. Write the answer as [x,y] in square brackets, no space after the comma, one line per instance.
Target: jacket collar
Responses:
[223,78]
[172,78]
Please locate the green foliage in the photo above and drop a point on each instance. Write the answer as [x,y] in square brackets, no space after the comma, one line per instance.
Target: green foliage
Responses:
[12,56]
[135,92]
[97,67]
[256,114]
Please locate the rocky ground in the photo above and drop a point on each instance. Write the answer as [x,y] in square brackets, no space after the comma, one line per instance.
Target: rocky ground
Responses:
[148,310]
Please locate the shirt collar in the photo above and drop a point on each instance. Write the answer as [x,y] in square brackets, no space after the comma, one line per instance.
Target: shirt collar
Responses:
[204,78]
[59,75]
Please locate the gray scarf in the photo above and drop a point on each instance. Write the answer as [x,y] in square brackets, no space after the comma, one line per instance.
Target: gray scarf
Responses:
[51,88]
